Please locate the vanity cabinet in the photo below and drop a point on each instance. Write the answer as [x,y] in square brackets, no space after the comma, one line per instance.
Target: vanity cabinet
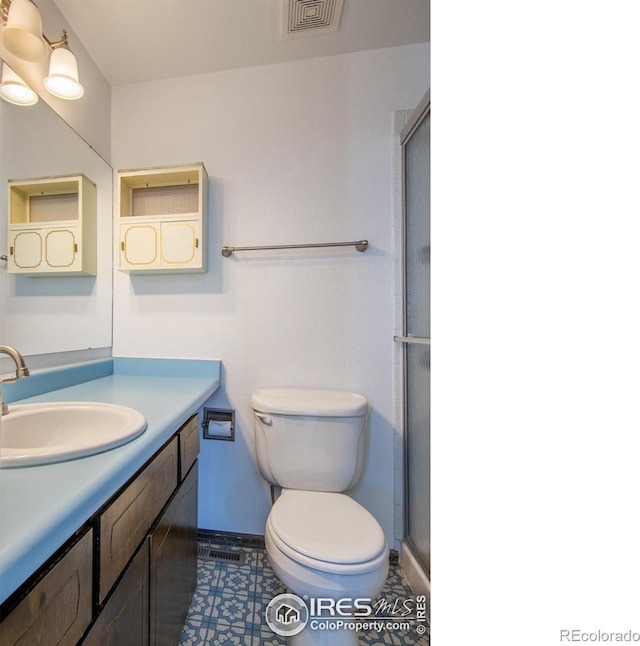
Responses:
[129,577]
[162,216]
[52,226]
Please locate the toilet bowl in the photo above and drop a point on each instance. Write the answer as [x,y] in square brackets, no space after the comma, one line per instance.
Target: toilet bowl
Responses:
[321,543]
[326,545]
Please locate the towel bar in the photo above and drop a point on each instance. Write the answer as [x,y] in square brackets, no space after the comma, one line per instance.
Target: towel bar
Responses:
[360,245]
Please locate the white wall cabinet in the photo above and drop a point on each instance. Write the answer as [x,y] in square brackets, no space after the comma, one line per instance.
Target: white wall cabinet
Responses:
[162,215]
[52,226]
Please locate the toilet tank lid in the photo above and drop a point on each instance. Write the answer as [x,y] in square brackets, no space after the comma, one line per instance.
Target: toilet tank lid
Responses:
[302,401]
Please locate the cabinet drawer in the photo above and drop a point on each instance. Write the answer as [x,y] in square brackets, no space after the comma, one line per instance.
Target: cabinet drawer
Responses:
[189,445]
[58,609]
[124,621]
[125,522]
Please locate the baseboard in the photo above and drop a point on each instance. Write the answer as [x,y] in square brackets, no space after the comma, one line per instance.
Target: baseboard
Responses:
[231,538]
[414,573]
[255,540]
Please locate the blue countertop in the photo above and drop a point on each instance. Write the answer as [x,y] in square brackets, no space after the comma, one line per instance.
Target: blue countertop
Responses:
[42,506]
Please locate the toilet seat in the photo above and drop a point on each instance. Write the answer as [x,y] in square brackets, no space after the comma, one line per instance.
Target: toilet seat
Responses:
[329,532]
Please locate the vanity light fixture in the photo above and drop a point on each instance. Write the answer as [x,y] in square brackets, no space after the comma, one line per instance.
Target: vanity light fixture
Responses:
[63,73]
[22,36]
[14,90]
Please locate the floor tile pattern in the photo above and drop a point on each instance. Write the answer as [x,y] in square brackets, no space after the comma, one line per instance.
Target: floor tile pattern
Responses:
[230,599]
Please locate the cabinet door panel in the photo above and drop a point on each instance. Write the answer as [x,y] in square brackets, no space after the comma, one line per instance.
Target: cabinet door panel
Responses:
[139,246]
[173,550]
[181,244]
[58,609]
[124,621]
[60,248]
[125,522]
[27,249]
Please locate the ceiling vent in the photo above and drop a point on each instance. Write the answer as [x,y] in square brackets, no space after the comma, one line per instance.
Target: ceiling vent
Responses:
[307,17]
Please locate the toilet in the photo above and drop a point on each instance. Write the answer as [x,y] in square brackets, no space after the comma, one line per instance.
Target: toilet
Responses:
[320,542]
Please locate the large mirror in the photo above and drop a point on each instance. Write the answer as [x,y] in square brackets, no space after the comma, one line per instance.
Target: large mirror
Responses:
[41,315]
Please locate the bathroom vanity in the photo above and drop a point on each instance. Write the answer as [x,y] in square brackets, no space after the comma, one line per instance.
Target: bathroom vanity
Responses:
[125,571]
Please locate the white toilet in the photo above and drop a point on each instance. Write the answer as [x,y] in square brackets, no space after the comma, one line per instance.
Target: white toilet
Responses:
[320,542]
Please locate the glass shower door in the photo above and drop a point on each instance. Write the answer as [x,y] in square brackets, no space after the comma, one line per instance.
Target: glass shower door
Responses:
[416,138]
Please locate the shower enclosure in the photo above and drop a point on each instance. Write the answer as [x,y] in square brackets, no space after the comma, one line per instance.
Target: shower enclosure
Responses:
[416,341]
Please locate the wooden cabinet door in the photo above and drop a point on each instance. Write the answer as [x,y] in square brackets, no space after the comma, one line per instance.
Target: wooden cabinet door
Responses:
[173,560]
[126,521]
[57,610]
[124,620]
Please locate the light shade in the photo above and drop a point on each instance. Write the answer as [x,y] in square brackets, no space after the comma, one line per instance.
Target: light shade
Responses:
[22,35]
[14,90]
[63,75]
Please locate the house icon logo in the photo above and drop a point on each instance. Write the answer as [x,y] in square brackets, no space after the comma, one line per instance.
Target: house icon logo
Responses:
[287,615]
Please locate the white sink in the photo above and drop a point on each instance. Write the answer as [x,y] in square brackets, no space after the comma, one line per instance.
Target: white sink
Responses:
[57,431]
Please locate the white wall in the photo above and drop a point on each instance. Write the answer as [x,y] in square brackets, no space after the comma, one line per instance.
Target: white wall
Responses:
[296,152]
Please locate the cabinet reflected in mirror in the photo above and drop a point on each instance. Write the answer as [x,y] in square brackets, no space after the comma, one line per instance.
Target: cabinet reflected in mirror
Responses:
[55,313]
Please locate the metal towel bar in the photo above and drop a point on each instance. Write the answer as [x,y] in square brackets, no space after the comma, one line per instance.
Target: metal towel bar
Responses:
[360,245]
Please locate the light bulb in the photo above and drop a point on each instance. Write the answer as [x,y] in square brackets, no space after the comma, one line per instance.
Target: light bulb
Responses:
[14,90]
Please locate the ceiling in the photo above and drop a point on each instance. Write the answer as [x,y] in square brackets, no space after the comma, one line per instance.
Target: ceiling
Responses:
[142,40]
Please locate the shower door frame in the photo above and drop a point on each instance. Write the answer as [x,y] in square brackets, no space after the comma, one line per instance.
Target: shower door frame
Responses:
[411,561]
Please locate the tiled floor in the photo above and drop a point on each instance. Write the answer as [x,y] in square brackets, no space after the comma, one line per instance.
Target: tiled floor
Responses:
[230,599]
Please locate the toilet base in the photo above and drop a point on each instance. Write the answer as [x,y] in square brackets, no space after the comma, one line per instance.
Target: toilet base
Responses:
[306,583]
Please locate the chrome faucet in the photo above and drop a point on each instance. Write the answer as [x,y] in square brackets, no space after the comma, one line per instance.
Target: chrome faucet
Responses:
[21,371]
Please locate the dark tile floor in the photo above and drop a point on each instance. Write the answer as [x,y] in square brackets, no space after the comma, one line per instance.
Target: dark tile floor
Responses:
[230,599]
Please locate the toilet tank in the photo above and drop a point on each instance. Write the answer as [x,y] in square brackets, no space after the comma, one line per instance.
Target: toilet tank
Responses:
[310,439]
